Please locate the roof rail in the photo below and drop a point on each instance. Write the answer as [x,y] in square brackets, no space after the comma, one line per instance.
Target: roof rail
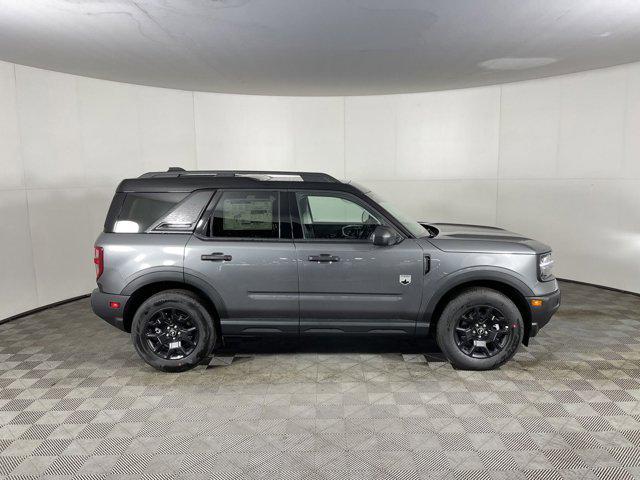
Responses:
[263,175]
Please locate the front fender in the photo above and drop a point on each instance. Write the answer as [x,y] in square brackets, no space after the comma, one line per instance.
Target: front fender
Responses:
[461,277]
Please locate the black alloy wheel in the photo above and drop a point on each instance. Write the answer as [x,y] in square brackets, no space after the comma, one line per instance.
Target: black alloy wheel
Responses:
[173,330]
[171,334]
[482,331]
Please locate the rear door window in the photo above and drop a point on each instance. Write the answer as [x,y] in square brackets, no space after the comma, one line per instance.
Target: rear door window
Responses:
[246,214]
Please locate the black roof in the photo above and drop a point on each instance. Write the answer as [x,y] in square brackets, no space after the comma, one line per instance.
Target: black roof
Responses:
[180,180]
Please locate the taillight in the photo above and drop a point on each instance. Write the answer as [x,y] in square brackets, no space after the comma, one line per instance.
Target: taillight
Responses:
[98,259]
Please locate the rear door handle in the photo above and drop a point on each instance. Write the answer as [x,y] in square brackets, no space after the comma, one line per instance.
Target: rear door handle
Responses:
[324,258]
[216,257]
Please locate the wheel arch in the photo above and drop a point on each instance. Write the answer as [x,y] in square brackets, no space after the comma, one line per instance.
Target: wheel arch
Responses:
[513,288]
[142,288]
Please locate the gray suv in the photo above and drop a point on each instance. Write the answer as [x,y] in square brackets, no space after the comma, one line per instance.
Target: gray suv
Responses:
[189,258]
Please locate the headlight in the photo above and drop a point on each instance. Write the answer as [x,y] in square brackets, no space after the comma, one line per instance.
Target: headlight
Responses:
[545,267]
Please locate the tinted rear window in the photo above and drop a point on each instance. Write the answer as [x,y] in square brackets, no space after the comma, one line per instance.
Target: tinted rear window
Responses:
[141,210]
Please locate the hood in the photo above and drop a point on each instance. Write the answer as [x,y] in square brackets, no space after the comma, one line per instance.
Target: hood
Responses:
[452,237]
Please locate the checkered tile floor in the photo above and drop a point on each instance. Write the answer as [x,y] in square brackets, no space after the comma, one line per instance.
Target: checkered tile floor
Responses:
[76,402]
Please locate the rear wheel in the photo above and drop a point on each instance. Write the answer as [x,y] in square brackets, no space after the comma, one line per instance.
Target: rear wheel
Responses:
[172,331]
[480,329]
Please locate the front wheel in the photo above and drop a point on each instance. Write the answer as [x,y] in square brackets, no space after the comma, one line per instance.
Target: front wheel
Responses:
[480,329]
[172,331]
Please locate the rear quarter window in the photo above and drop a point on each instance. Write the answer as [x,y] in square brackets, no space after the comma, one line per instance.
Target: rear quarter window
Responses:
[158,212]
[141,210]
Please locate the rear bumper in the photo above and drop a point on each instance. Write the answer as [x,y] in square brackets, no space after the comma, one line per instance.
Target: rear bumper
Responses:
[540,316]
[100,306]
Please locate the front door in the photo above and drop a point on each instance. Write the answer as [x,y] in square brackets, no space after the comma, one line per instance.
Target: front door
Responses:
[347,284]
[245,252]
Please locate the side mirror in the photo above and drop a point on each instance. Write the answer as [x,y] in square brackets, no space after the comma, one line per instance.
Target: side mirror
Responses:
[384,236]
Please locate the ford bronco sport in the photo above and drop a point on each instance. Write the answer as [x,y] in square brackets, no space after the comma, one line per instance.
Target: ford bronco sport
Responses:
[188,258]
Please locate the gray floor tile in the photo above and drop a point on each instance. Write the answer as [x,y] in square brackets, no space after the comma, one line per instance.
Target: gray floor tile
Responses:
[77,402]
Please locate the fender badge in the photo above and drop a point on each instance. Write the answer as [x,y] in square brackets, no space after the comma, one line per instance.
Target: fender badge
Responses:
[405,279]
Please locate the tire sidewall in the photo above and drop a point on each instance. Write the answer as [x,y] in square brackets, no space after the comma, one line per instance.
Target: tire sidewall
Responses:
[462,303]
[200,317]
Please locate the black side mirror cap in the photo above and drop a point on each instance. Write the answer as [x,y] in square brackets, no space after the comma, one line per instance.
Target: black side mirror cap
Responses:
[384,236]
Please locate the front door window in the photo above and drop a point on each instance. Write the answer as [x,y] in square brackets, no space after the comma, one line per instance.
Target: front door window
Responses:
[331,217]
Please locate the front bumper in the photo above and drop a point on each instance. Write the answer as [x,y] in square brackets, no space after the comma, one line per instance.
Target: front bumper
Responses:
[541,315]
[100,305]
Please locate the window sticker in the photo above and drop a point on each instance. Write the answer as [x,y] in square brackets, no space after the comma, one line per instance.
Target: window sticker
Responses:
[251,214]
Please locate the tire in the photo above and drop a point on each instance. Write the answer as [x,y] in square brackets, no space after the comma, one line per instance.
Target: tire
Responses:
[173,312]
[460,315]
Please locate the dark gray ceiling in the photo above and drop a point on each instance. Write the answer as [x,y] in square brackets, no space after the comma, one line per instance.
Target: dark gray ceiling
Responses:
[319,47]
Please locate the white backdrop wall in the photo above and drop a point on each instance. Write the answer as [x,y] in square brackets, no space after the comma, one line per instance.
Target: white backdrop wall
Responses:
[558,159]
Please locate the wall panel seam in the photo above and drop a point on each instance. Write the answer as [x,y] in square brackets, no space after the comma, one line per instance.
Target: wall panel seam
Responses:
[195,130]
[24,183]
[344,137]
[499,155]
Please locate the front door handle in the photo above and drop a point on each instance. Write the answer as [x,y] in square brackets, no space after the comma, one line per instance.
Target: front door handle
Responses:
[324,258]
[216,257]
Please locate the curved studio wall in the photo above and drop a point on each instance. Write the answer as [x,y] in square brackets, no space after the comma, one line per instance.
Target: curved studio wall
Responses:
[558,159]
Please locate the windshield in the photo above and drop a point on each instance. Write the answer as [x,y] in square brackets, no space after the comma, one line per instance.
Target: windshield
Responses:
[414,227]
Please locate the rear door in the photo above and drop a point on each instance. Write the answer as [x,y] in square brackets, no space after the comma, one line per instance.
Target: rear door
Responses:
[347,284]
[244,250]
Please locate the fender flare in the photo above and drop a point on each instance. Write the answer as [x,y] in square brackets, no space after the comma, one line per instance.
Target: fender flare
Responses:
[209,290]
[176,276]
[149,277]
[474,274]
